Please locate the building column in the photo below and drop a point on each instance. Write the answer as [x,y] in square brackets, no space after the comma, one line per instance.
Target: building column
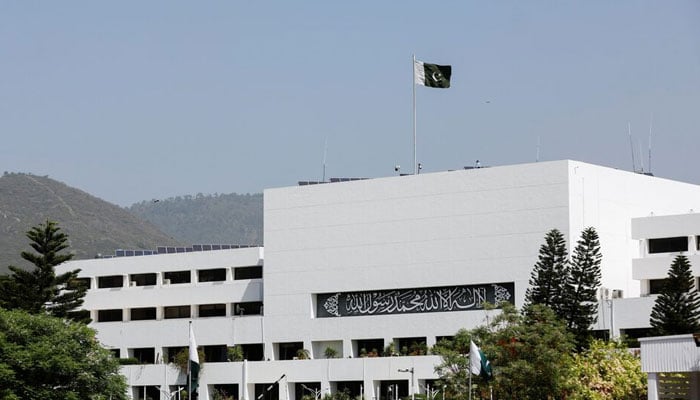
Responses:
[652,388]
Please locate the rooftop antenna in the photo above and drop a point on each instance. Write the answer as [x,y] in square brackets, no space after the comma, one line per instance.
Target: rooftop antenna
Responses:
[325,152]
[537,157]
[629,132]
[651,122]
[641,157]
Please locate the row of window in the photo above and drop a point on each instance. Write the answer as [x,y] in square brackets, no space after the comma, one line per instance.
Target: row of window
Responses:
[176,277]
[388,390]
[183,311]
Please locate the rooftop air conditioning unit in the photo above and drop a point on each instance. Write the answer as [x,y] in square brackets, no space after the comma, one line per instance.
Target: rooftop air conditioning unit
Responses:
[617,294]
[133,283]
[604,293]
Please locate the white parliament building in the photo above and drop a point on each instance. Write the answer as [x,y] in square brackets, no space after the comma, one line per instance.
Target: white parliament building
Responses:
[352,267]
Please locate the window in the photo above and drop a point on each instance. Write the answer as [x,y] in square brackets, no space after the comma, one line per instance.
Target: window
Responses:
[172,352]
[212,275]
[176,312]
[247,273]
[175,277]
[140,314]
[288,351]
[248,308]
[253,351]
[218,353]
[109,315]
[228,391]
[212,310]
[370,347]
[668,245]
[145,355]
[110,281]
[115,352]
[656,285]
[79,283]
[414,346]
[143,279]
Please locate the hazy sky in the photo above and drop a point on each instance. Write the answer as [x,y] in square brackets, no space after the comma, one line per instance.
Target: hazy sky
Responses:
[135,100]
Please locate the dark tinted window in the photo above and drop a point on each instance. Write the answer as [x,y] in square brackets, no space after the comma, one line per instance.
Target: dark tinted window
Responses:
[668,245]
[247,273]
[212,275]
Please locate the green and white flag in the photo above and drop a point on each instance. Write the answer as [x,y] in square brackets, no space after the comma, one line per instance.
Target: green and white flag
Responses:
[193,363]
[478,363]
[432,75]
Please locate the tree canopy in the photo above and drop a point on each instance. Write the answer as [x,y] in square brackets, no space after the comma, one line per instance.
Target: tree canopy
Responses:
[40,289]
[677,308]
[530,354]
[43,357]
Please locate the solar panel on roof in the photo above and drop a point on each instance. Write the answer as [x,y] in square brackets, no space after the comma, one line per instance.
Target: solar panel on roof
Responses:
[119,253]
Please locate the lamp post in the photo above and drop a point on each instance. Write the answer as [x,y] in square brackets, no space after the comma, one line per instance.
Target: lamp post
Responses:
[411,370]
[316,392]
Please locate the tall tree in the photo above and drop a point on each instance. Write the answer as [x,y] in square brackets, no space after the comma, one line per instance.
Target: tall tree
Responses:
[40,289]
[583,281]
[549,276]
[677,308]
[43,357]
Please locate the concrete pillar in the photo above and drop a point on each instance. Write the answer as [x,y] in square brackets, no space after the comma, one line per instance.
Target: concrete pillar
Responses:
[652,387]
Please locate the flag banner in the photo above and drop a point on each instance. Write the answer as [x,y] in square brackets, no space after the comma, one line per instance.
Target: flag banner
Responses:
[432,75]
[478,362]
[193,362]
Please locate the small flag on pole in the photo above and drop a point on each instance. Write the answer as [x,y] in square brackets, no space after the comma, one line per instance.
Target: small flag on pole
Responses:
[432,75]
[193,363]
[478,362]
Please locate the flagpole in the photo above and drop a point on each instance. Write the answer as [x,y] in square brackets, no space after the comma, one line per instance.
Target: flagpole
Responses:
[469,358]
[189,373]
[415,158]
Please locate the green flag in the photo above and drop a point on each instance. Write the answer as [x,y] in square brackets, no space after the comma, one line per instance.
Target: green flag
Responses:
[193,363]
[478,362]
[432,75]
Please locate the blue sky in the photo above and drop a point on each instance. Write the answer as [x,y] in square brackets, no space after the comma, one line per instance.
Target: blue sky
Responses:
[137,100]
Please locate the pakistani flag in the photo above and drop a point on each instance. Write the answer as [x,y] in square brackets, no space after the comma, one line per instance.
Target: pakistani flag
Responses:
[432,75]
[478,363]
[193,364]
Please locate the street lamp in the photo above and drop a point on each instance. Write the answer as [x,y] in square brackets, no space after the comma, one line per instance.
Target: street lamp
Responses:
[413,392]
[316,392]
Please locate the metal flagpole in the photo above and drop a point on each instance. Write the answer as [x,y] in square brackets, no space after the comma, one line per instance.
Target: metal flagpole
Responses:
[469,366]
[189,372]
[415,157]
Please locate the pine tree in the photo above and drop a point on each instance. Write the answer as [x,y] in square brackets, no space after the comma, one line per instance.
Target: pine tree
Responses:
[677,308]
[582,286]
[549,276]
[40,290]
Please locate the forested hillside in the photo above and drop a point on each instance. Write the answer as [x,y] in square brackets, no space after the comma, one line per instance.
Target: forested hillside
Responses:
[93,225]
[219,218]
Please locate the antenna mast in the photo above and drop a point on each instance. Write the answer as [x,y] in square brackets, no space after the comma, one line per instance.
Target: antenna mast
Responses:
[537,157]
[325,151]
[629,132]
[651,122]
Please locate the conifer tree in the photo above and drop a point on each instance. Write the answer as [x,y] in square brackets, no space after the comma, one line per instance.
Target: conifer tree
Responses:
[677,308]
[40,289]
[549,276]
[582,286]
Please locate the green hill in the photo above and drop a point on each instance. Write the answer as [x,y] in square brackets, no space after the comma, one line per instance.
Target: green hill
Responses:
[219,218]
[93,225]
